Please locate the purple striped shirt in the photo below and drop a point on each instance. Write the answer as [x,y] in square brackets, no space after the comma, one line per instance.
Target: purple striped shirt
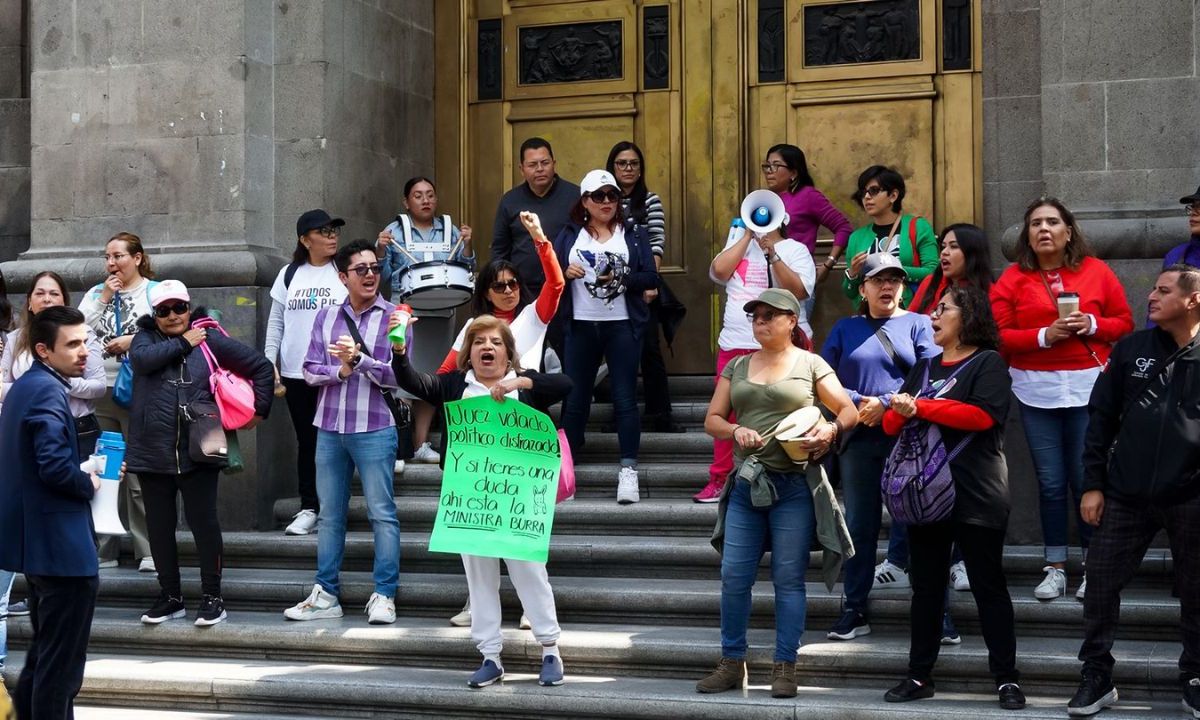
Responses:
[353,405]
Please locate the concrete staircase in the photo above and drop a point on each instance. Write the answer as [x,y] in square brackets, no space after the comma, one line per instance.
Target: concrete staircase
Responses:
[638,591]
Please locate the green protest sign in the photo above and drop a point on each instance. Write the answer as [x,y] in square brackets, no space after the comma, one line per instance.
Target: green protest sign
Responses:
[500,481]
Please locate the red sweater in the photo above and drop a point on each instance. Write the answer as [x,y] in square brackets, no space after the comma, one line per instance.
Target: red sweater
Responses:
[1023,307]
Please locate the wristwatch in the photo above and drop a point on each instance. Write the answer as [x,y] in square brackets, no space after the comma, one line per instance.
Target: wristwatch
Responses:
[830,262]
[773,258]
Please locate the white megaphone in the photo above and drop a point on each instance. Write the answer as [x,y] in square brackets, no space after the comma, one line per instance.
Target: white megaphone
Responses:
[105,516]
[763,211]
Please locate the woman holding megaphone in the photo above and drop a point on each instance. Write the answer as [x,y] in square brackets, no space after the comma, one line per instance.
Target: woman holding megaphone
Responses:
[756,257]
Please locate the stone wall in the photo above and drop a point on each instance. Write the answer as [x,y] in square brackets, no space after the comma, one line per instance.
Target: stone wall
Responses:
[207,127]
[14,129]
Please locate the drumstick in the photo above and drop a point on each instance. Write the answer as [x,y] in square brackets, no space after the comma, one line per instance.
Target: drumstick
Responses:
[457,245]
[401,249]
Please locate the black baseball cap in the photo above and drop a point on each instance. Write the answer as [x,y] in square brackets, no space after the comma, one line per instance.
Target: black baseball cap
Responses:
[1191,198]
[316,219]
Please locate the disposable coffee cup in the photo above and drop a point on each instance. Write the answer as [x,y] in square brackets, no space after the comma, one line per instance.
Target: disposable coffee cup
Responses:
[1068,302]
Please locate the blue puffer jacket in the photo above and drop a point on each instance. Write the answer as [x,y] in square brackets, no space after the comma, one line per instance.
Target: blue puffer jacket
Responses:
[167,373]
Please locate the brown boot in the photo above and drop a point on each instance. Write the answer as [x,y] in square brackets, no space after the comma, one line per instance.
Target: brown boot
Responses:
[729,675]
[783,680]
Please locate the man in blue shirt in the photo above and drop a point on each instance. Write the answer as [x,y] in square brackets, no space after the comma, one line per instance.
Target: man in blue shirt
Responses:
[45,519]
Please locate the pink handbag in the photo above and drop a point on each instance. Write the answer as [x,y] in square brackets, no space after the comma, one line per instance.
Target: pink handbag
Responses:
[234,394]
[566,474]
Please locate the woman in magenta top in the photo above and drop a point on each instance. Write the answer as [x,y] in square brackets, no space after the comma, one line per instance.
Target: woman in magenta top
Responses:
[786,173]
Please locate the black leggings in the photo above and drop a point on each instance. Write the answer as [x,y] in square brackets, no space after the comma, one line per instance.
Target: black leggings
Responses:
[302,406]
[199,490]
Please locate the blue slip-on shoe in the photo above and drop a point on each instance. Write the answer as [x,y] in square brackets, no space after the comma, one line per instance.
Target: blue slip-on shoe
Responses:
[552,671]
[488,673]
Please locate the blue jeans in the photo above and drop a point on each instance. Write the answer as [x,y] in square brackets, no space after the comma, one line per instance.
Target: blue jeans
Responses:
[374,454]
[587,342]
[1055,439]
[6,581]
[789,524]
[861,466]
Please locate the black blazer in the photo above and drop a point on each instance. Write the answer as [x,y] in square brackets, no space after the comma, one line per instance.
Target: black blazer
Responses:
[437,390]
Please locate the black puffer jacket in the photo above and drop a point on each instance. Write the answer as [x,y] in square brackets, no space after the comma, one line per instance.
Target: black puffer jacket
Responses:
[167,373]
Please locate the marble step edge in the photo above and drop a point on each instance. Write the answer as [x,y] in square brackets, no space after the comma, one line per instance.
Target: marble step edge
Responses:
[314,690]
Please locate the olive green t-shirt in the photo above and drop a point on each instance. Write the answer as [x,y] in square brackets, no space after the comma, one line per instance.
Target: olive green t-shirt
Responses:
[760,407]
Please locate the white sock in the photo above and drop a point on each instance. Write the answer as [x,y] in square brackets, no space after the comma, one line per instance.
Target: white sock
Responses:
[495,659]
[548,650]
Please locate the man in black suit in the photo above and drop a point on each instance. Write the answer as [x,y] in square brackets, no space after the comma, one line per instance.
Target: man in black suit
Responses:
[46,519]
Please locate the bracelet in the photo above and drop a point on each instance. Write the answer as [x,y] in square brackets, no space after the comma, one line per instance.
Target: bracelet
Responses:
[830,262]
[733,432]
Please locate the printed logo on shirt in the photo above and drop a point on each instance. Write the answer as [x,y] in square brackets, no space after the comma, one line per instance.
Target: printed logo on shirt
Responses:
[1144,366]
[753,277]
[310,298]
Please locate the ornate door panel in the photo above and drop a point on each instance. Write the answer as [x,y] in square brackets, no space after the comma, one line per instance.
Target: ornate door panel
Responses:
[892,82]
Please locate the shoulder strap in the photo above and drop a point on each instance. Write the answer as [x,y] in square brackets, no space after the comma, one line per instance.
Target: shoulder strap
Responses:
[213,365]
[388,398]
[405,229]
[912,239]
[1158,370]
[889,348]
[289,274]
[352,327]
[117,312]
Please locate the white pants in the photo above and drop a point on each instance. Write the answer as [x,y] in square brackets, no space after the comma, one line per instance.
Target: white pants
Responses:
[533,587]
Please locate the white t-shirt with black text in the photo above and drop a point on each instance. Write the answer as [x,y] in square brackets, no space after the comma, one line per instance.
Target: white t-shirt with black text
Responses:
[311,289]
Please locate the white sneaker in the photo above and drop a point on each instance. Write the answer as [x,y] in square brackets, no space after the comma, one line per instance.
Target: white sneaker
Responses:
[463,618]
[147,565]
[889,577]
[627,486]
[317,606]
[398,468]
[958,576]
[1081,593]
[426,454]
[525,624]
[1053,586]
[381,610]
[303,523]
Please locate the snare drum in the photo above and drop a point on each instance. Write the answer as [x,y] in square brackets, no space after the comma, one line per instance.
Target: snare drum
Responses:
[436,285]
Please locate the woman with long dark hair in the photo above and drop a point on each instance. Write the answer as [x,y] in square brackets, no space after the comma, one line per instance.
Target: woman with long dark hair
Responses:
[307,284]
[965,393]
[604,311]
[786,173]
[1060,310]
[963,261]
[640,207]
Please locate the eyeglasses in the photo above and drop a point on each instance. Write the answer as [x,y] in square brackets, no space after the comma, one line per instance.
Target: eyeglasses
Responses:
[179,308]
[364,270]
[604,196]
[116,257]
[885,280]
[627,164]
[505,285]
[329,231]
[1193,209]
[774,167]
[873,190]
[538,164]
[765,316]
[941,308]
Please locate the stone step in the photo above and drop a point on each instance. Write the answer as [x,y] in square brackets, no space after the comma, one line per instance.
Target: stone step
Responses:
[95,712]
[1047,665]
[677,481]
[630,556]
[204,688]
[688,412]
[1146,613]
[580,516]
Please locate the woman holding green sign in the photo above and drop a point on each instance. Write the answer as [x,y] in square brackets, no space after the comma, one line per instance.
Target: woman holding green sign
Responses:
[490,365]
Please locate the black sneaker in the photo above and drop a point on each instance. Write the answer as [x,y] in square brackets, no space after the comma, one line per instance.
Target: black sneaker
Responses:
[212,611]
[909,690]
[850,625]
[167,608]
[1095,693]
[1191,697]
[1011,697]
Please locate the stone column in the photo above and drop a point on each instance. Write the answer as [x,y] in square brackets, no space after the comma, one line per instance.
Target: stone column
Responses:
[14,130]
[206,128]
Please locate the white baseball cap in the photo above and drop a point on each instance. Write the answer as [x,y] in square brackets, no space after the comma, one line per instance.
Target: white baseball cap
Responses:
[595,180]
[168,290]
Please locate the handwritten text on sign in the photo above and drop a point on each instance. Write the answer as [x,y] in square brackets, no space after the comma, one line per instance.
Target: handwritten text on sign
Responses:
[500,481]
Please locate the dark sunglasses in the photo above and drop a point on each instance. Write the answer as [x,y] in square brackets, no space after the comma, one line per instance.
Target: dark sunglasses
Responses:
[505,285]
[604,196]
[178,308]
[364,270]
[765,316]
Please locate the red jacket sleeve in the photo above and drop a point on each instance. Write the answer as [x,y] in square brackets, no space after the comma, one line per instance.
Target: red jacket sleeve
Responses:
[1013,338]
[1117,321]
[893,421]
[953,414]
[547,301]
[449,364]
